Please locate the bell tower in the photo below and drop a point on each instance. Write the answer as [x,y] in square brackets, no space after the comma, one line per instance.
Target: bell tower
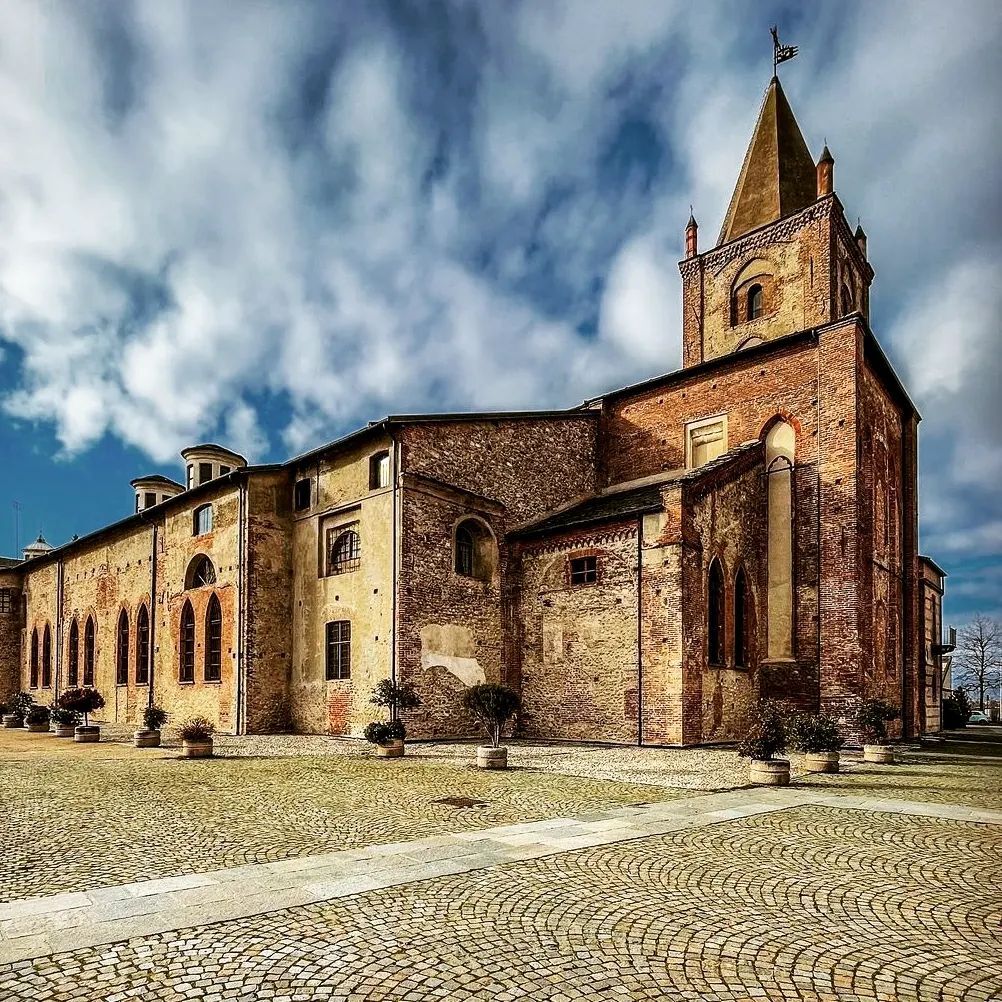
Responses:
[785,259]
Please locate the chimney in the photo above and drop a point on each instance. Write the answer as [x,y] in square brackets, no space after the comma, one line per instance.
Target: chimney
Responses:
[860,240]
[826,173]
[690,235]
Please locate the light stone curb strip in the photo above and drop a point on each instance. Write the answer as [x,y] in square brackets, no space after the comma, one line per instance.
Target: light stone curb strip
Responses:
[38,927]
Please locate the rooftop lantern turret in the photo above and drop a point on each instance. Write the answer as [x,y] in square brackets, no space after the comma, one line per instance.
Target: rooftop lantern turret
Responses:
[153,490]
[37,549]
[207,462]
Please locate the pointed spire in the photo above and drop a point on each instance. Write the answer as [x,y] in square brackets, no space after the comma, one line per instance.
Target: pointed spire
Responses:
[860,237]
[691,230]
[826,172]
[778,176]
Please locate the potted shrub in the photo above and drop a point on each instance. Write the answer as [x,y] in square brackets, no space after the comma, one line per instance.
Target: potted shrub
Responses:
[388,736]
[36,720]
[153,719]
[764,738]
[493,706]
[65,720]
[873,717]
[818,737]
[17,708]
[85,701]
[196,738]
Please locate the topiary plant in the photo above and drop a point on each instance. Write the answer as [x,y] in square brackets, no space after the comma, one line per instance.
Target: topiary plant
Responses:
[493,706]
[766,733]
[197,729]
[380,732]
[84,701]
[813,733]
[154,718]
[395,697]
[873,718]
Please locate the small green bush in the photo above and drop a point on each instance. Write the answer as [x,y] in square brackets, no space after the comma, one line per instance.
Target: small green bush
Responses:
[873,717]
[766,733]
[814,732]
[21,703]
[493,706]
[154,718]
[65,718]
[197,729]
[37,715]
[379,732]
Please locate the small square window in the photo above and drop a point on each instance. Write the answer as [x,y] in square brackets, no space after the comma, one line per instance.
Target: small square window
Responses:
[584,570]
[379,470]
[223,470]
[303,494]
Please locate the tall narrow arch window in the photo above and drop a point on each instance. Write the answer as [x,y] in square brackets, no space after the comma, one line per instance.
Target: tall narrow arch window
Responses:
[755,302]
[715,631]
[213,641]
[122,650]
[200,572]
[464,551]
[202,520]
[780,446]
[741,620]
[33,661]
[345,551]
[88,665]
[186,652]
[73,656]
[142,646]
[474,554]
[46,657]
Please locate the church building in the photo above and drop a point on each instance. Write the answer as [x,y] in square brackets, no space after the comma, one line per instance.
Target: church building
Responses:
[642,567]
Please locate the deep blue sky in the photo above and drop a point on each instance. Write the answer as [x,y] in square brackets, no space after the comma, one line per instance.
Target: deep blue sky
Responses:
[265,224]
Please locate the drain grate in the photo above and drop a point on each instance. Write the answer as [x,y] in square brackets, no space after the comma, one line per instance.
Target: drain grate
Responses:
[461,802]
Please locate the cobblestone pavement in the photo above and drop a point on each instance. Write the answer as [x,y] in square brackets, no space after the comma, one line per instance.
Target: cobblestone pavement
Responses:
[807,903]
[77,817]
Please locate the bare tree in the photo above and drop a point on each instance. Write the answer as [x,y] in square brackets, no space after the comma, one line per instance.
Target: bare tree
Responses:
[978,657]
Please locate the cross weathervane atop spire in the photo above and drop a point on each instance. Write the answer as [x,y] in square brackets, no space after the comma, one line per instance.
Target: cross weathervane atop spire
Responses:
[780,53]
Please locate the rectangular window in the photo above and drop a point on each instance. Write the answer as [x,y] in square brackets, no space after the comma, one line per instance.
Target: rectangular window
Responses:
[204,472]
[149,500]
[303,494]
[6,600]
[223,470]
[584,570]
[705,440]
[137,502]
[202,520]
[191,475]
[379,470]
[338,650]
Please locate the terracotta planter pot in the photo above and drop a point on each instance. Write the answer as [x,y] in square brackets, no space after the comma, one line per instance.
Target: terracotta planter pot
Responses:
[87,732]
[769,772]
[879,754]
[37,728]
[12,720]
[391,749]
[64,730]
[146,739]
[822,761]
[492,758]
[197,749]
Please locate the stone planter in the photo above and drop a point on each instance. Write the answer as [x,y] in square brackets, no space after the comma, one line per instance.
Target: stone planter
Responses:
[391,749]
[879,754]
[64,730]
[87,732]
[11,720]
[197,749]
[769,772]
[37,728]
[822,761]
[492,758]
[146,739]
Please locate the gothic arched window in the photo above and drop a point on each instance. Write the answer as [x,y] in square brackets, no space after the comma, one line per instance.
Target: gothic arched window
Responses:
[213,640]
[46,657]
[142,646]
[186,652]
[200,572]
[33,662]
[122,650]
[88,669]
[715,631]
[73,656]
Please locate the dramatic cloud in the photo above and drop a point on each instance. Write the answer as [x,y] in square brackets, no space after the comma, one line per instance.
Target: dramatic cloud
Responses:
[269,222]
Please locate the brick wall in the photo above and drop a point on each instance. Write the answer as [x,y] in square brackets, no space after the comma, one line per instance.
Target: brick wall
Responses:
[10,637]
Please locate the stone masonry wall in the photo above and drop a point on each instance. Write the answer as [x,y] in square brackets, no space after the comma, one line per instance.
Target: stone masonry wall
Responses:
[10,637]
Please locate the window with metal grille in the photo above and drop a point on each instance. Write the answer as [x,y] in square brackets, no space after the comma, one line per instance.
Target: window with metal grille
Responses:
[338,650]
[302,498]
[33,664]
[122,650]
[344,552]
[202,520]
[213,641]
[73,656]
[464,551]
[6,600]
[88,667]
[186,672]
[584,570]
[142,646]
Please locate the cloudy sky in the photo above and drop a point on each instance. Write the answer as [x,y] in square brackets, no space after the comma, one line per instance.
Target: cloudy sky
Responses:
[267,223]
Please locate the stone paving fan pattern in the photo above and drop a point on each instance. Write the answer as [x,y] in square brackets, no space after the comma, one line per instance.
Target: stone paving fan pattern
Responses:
[808,903]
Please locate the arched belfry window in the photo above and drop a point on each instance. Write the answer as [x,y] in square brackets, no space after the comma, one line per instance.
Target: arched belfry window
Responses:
[742,620]
[186,648]
[755,302]
[73,656]
[122,650]
[33,663]
[200,572]
[142,646]
[474,550]
[213,640]
[88,666]
[715,629]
